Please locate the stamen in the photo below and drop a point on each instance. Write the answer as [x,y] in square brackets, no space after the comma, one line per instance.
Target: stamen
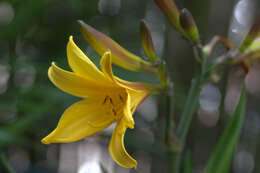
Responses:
[121,98]
[111,101]
[105,100]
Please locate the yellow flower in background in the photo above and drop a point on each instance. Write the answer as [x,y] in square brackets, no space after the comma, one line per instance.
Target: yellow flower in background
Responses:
[107,99]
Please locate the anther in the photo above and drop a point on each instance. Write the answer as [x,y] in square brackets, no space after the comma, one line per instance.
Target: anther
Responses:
[105,100]
[121,98]
[111,101]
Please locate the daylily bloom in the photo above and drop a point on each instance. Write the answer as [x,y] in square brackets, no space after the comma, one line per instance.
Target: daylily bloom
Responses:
[106,99]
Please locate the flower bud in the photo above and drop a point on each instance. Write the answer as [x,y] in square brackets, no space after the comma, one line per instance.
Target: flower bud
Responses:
[253,33]
[147,42]
[101,43]
[170,11]
[189,26]
[254,46]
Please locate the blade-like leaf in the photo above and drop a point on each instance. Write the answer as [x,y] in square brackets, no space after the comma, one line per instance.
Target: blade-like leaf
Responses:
[187,163]
[221,157]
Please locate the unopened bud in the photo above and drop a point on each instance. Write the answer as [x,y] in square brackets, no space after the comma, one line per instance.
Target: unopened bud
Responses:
[254,46]
[147,42]
[253,33]
[171,12]
[101,43]
[189,26]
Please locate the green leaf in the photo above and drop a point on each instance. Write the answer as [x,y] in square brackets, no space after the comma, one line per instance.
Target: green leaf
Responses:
[221,157]
[187,163]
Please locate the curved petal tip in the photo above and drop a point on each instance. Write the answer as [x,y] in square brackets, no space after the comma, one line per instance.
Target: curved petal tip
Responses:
[117,149]
[45,140]
[71,38]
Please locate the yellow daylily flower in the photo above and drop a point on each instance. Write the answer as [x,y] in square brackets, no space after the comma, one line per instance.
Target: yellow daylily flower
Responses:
[106,99]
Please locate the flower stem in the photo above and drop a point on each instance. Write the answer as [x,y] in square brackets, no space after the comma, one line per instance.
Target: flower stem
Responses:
[5,163]
[169,136]
[169,117]
[186,118]
[189,109]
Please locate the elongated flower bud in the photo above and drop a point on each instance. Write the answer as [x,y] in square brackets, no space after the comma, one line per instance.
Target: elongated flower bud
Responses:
[147,42]
[101,43]
[171,12]
[254,46]
[189,26]
[253,33]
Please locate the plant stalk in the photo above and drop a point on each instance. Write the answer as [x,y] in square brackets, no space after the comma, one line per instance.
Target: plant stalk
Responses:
[186,119]
[189,109]
[169,136]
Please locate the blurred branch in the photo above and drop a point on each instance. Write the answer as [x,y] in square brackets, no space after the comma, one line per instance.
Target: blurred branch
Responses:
[190,107]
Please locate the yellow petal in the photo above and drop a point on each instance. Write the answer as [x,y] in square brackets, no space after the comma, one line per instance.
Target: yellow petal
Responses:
[73,83]
[81,64]
[127,114]
[139,86]
[137,97]
[101,43]
[106,66]
[81,119]
[117,149]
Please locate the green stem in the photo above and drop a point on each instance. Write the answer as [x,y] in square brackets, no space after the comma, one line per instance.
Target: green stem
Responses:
[188,166]
[186,118]
[189,109]
[5,163]
[169,136]
[169,117]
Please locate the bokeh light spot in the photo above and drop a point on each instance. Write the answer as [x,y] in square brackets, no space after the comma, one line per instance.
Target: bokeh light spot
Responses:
[210,98]
[243,162]
[6,13]
[4,77]
[109,7]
